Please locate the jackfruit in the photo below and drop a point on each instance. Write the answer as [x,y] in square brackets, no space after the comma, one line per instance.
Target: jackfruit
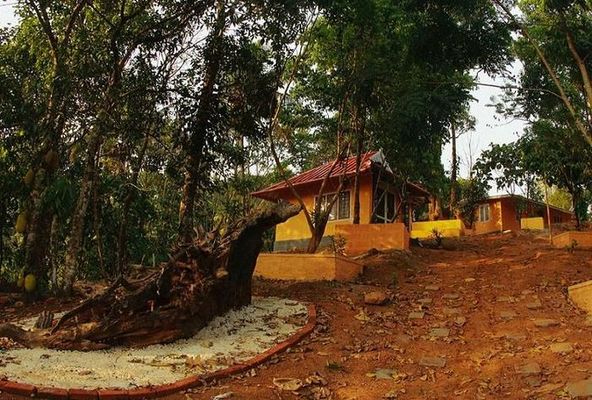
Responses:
[51,159]
[40,175]
[28,178]
[21,222]
[20,282]
[30,283]
[74,151]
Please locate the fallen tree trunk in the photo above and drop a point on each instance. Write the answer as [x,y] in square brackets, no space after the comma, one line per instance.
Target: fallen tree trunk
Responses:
[201,281]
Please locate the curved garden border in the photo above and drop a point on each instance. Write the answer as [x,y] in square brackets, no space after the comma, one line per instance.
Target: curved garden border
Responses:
[23,389]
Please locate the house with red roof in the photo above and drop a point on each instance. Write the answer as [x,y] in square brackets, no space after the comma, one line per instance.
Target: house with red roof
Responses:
[383,201]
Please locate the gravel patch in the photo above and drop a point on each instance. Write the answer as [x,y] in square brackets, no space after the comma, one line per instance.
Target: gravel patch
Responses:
[232,338]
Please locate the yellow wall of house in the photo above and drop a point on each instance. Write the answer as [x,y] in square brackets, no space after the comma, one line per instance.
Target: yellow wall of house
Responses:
[296,228]
[535,223]
[447,227]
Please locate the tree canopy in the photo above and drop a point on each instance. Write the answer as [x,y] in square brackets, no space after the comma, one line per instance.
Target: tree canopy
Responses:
[128,125]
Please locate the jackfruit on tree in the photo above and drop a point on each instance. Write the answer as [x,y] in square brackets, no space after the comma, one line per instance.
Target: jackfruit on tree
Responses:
[30,283]
[51,159]
[20,282]
[21,222]
[28,178]
[74,151]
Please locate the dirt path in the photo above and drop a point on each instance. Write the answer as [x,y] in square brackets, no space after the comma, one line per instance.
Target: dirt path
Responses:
[473,335]
[478,305]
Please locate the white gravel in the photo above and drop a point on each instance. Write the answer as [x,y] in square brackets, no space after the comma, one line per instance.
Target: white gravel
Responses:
[229,339]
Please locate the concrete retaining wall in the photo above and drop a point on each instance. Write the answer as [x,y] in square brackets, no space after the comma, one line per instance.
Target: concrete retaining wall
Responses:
[363,237]
[307,267]
[582,239]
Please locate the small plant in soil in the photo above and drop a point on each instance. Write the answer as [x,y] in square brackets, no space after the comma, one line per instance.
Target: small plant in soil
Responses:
[334,366]
[437,236]
[572,247]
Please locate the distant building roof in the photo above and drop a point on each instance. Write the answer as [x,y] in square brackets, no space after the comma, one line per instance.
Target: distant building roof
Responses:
[347,168]
[540,203]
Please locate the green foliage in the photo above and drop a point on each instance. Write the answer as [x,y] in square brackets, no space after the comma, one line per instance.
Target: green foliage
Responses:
[120,103]
[559,198]
[473,192]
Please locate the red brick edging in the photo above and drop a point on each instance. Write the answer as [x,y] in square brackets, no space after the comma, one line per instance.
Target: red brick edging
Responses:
[27,390]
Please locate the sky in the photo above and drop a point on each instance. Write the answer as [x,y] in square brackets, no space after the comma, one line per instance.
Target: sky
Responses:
[490,127]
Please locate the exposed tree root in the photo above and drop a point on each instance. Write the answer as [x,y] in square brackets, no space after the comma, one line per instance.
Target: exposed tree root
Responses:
[202,280]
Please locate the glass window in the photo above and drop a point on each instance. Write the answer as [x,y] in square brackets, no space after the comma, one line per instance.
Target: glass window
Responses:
[385,206]
[344,205]
[341,207]
[484,213]
[390,204]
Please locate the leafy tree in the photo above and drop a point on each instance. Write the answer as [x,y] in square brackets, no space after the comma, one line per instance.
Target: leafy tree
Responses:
[472,193]
[562,158]
[555,38]
[506,165]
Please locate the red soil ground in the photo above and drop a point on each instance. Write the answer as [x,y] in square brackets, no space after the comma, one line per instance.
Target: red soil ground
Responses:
[474,278]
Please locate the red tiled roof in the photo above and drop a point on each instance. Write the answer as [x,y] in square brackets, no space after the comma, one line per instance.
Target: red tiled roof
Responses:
[317,174]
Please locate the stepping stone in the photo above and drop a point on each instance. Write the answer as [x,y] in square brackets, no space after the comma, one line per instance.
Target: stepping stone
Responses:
[469,279]
[416,315]
[581,388]
[545,323]
[451,296]
[533,381]
[515,336]
[529,369]
[451,311]
[403,339]
[561,348]
[425,301]
[377,298]
[526,292]
[460,321]
[507,315]
[383,373]
[440,332]
[535,305]
[505,299]
[434,362]
[432,288]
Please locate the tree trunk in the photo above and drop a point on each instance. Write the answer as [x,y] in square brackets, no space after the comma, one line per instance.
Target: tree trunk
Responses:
[213,59]
[575,198]
[453,172]
[360,127]
[122,253]
[70,267]
[202,280]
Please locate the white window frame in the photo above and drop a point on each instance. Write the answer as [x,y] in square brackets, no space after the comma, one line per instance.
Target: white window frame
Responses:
[335,214]
[381,216]
[484,213]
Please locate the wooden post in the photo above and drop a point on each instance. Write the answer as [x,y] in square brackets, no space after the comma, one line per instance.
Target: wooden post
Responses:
[548,214]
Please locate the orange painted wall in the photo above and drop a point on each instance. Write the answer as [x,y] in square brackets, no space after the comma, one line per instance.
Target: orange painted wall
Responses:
[307,267]
[495,219]
[582,238]
[361,238]
[509,220]
[503,216]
